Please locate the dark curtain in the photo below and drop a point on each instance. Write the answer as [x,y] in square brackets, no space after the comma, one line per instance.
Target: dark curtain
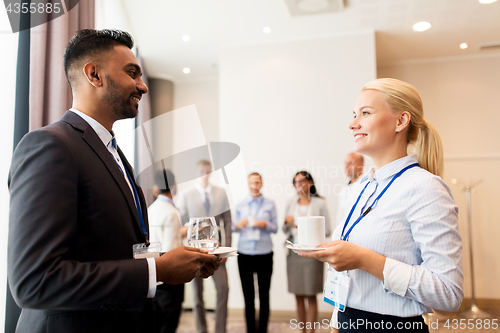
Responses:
[21,127]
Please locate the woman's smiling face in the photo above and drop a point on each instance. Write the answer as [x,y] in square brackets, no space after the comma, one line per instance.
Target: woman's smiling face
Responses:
[374,124]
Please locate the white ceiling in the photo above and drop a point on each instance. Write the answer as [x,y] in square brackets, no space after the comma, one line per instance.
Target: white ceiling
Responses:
[158,26]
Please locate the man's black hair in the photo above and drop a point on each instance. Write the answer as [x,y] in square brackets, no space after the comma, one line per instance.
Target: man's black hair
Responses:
[90,42]
[164,180]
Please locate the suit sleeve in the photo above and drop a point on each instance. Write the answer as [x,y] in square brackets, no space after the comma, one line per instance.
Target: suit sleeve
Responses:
[43,225]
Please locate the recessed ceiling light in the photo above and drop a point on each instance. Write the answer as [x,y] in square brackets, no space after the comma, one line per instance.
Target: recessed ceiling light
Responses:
[421,26]
[186,70]
[186,38]
[463,46]
[485,2]
[267,30]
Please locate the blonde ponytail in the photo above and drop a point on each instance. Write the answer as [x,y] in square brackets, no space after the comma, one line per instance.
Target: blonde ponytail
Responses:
[402,96]
[429,149]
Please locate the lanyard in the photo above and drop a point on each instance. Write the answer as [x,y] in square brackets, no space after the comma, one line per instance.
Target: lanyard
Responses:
[344,237]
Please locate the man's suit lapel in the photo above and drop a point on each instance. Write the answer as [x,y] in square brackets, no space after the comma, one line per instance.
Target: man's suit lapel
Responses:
[93,140]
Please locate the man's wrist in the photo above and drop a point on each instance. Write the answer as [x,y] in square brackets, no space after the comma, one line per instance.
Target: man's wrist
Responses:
[158,277]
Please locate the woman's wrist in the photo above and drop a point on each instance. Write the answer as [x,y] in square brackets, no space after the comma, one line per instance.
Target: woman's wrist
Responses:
[372,262]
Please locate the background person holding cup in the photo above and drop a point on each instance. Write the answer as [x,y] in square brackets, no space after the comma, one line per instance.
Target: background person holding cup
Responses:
[165,229]
[402,256]
[305,275]
[256,218]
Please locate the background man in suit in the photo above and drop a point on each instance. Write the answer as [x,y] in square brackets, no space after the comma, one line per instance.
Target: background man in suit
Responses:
[76,211]
[165,227]
[209,200]
[353,168]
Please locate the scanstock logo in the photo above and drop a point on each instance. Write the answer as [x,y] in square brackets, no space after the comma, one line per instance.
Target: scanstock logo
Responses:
[26,14]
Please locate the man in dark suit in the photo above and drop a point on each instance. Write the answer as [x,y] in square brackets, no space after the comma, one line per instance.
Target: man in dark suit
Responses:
[76,209]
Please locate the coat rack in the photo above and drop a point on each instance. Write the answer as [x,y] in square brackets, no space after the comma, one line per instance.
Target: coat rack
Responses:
[474,311]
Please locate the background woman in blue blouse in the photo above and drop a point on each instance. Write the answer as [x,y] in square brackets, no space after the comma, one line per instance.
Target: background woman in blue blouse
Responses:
[256,218]
[400,248]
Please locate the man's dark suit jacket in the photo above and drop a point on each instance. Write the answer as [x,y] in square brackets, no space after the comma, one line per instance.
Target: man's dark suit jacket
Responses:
[72,225]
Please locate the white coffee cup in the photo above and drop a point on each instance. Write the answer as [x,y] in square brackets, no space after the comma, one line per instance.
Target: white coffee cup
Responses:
[311,230]
[251,221]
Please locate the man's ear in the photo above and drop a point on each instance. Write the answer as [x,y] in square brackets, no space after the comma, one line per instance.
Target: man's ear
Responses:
[403,121]
[93,75]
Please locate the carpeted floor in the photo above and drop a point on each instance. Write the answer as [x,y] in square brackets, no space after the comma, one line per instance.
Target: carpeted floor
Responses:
[236,324]
[438,323]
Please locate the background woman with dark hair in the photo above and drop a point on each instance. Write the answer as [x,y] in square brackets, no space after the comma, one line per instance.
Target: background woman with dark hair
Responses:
[305,275]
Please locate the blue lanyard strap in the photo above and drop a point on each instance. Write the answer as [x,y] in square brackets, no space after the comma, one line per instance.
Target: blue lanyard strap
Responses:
[344,237]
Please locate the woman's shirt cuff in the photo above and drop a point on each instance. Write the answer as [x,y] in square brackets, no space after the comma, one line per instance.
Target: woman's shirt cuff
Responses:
[396,276]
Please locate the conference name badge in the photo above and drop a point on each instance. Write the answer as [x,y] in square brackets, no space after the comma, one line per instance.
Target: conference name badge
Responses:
[146,250]
[336,290]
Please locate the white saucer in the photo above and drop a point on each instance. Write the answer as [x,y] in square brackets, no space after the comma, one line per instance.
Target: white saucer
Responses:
[303,248]
[223,252]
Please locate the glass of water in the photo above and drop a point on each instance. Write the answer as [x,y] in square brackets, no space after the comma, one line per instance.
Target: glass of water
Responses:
[203,233]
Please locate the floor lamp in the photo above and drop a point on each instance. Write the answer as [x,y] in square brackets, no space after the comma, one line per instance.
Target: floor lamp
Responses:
[474,311]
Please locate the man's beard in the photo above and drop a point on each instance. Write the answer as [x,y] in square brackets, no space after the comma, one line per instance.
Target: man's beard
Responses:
[121,107]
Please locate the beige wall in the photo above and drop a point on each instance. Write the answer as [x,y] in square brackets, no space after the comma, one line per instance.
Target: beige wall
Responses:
[205,95]
[461,98]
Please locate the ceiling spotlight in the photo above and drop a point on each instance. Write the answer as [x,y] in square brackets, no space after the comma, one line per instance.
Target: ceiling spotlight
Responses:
[421,26]
[485,2]
[463,46]
[186,70]
[186,38]
[266,30]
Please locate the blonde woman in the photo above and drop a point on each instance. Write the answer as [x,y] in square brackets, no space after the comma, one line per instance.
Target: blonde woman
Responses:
[398,248]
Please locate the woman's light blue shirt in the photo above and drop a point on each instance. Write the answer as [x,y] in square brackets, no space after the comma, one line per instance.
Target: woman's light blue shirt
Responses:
[415,226]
